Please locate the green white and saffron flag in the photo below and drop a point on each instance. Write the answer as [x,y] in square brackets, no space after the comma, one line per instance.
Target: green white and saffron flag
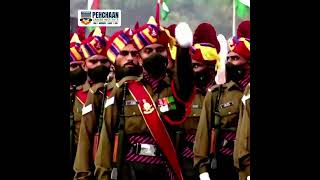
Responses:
[164,9]
[242,8]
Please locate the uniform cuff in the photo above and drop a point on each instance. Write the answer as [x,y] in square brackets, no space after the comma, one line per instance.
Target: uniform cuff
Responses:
[203,169]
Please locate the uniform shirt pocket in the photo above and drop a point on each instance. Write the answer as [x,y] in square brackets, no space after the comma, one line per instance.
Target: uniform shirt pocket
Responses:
[134,122]
[229,112]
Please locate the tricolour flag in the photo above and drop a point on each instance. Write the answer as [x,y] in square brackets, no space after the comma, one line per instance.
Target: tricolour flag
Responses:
[242,8]
[164,9]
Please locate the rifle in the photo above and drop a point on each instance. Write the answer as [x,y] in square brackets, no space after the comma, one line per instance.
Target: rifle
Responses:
[99,127]
[118,151]
[215,125]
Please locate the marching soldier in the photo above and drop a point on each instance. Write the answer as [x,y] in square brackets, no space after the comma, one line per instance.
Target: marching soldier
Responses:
[242,144]
[98,68]
[78,91]
[204,56]
[135,142]
[214,142]
[155,52]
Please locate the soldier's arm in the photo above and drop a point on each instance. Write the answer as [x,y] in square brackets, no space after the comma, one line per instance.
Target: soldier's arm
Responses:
[242,143]
[104,155]
[84,150]
[237,142]
[183,79]
[202,139]
[77,119]
[82,160]
[182,85]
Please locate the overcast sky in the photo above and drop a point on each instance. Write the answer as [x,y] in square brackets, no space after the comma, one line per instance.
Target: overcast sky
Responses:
[192,12]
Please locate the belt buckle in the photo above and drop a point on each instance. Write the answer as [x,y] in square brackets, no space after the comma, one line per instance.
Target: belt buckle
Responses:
[147,150]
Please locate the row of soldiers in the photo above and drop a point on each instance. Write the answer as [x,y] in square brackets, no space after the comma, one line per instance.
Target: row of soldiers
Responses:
[146,103]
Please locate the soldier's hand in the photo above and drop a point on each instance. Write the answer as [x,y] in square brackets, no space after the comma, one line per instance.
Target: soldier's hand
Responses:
[204,176]
[184,35]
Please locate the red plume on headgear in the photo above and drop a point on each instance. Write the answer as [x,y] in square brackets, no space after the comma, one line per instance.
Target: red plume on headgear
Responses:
[244,29]
[81,33]
[91,33]
[136,26]
[103,30]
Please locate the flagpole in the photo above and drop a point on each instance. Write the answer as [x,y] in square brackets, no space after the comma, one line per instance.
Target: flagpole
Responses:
[89,5]
[158,12]
[90,2]
[234,18]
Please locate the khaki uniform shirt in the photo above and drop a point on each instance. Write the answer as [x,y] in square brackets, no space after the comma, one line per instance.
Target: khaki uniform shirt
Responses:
[77,111]
[84,163]
[134,124]
[229,103]
[241,153]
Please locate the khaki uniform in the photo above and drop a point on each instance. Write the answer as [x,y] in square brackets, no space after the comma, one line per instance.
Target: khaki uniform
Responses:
[77,111]
[229,103]
[134,125]
[189,129]
[242,145]
[191,123]
[79,97]
[84,163]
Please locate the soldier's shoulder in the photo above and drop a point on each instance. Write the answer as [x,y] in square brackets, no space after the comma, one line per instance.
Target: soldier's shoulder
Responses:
[213,87]
[128,78]
[85,87]
[95,87]
[246,93]
[111,84]
[231,86]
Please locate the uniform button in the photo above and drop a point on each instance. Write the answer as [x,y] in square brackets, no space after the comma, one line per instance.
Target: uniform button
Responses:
[134,113]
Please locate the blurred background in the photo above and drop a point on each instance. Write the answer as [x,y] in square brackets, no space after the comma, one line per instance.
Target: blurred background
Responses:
[219,13]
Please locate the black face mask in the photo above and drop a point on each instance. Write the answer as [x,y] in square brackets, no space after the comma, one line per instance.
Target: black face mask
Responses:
[78,77]
[121,72]
[99,74]
[235,73]
[201,79]
[155,65]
